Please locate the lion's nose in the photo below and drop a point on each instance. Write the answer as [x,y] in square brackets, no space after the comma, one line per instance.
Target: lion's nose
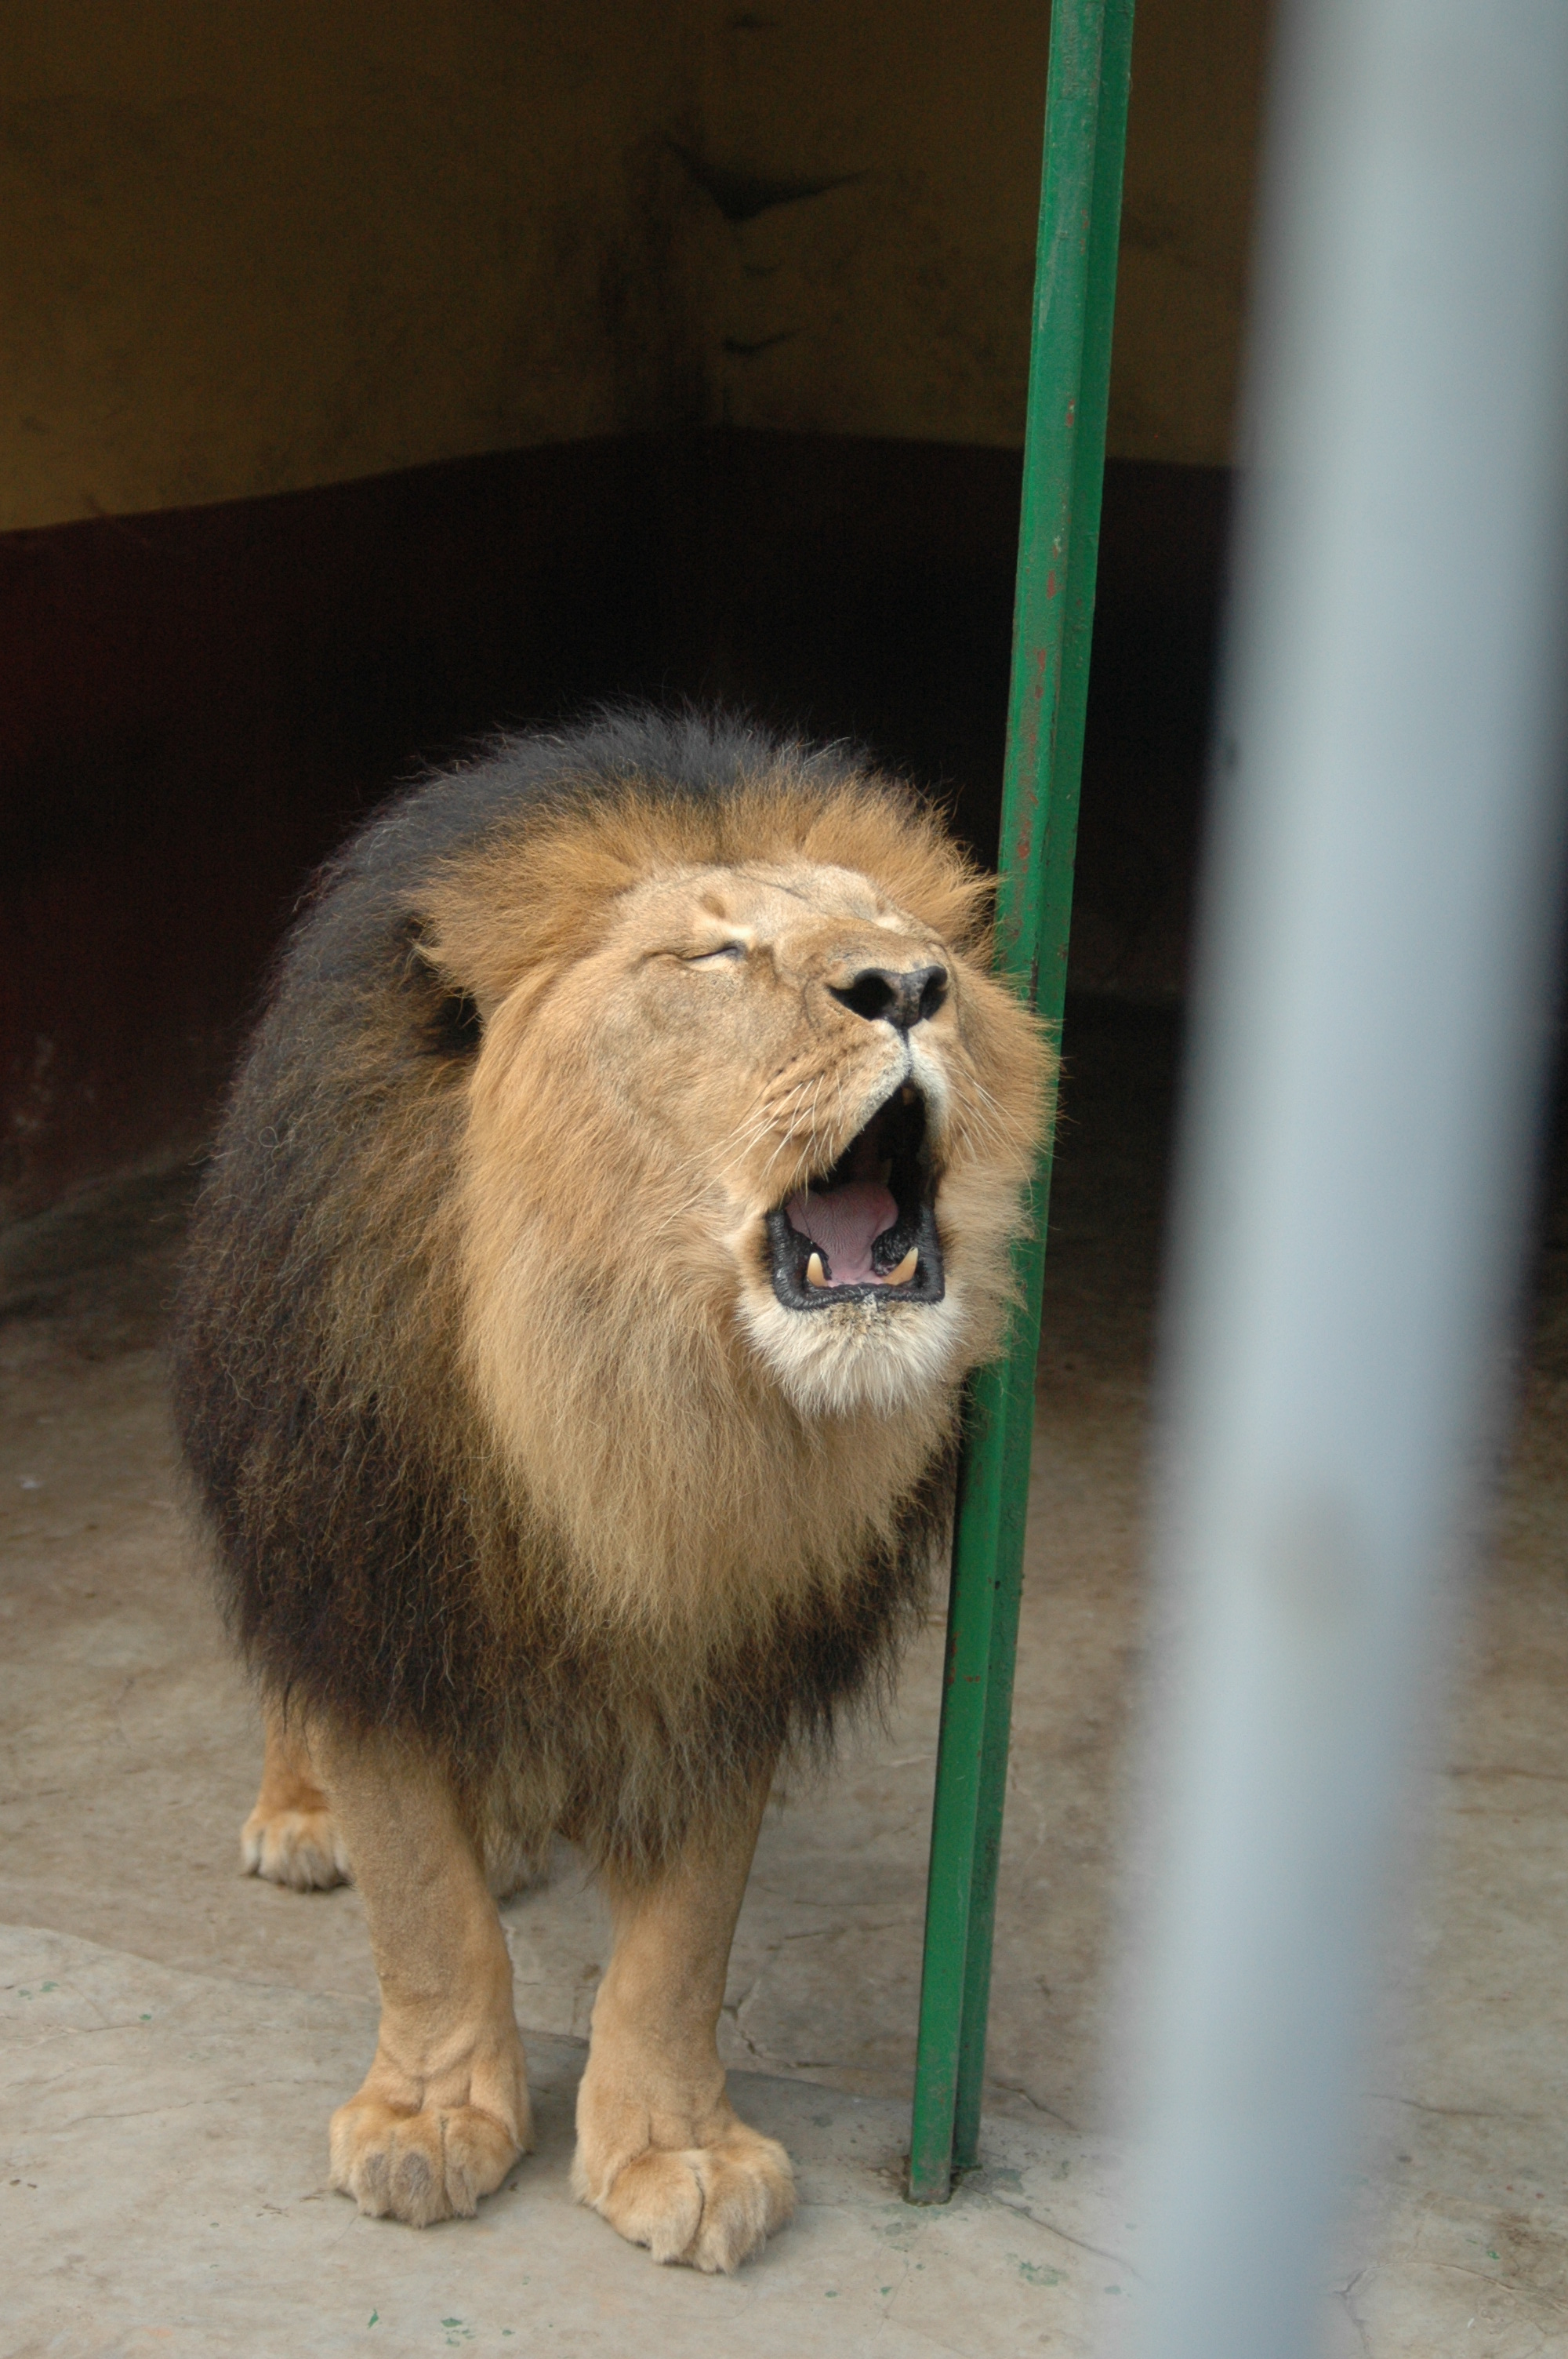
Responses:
[883,996]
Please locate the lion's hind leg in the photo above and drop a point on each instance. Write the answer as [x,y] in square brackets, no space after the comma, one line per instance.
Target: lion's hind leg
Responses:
[291,1836]
[662,2154]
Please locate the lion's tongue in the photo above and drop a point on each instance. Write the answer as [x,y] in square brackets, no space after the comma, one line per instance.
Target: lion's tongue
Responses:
[845,1222]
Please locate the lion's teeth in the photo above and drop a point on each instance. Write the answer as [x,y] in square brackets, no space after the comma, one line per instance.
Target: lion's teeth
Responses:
[906,1269]
[815,1273]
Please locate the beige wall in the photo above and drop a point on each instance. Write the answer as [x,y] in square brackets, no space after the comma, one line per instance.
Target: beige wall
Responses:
[254,248]
[899,297]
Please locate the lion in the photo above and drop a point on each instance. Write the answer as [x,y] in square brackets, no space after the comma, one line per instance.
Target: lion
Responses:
[615,1195]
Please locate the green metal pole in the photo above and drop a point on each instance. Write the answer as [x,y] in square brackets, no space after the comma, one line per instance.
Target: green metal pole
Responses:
[1086,129]
[1066,770]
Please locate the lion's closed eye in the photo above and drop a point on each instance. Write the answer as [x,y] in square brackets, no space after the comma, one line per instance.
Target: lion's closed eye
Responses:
[726,954]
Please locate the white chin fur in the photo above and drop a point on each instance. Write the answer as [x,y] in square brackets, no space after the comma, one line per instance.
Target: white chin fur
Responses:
[854,1355]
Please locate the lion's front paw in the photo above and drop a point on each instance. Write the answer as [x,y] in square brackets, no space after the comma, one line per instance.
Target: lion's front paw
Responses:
[418,2166]
[710,2207]
[301,1848]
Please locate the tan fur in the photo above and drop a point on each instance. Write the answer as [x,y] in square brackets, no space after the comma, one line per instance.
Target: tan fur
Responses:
[661,2152]
[443,2112]
[291,1836]
[657,1461]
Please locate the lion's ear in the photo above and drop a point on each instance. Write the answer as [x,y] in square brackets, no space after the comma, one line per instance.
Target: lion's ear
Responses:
[451,1019]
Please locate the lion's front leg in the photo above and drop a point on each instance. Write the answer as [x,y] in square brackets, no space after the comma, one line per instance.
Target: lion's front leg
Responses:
[661,2153]
[443,2114]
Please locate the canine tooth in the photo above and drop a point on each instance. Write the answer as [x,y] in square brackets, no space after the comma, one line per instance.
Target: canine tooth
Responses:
[906,1269]
[815,1273]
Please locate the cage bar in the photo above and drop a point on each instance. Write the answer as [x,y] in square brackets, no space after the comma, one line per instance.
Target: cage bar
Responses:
[1371,1022]
[1063,465]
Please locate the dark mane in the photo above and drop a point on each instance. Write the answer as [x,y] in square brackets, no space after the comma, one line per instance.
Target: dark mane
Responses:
[373,1561]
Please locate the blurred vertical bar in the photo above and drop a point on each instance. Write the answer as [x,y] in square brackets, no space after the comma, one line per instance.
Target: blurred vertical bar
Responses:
[1086,129]
[1372,1017]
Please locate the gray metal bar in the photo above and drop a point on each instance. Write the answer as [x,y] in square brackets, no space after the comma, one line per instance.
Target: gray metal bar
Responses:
[1371,1022]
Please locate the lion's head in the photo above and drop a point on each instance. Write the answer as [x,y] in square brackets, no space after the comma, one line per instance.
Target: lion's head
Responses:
[749,1125]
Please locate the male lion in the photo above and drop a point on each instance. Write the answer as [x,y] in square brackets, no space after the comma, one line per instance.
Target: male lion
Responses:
[615,1195]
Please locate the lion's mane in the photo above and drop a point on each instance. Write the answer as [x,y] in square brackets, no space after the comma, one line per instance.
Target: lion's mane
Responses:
[379,1558]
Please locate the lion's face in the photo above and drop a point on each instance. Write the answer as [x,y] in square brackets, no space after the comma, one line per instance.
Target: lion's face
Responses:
[761,1099]
[791,1036]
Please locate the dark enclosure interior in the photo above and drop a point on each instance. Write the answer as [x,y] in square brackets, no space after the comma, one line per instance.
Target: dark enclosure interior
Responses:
[200,701]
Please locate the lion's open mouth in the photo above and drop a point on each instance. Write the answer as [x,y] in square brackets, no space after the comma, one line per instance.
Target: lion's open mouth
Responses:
[866,1228]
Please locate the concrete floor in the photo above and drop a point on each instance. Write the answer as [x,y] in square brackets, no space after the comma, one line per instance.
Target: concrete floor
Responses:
[173,2035]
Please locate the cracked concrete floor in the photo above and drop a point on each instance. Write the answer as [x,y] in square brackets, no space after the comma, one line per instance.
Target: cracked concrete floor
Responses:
[143,1978]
